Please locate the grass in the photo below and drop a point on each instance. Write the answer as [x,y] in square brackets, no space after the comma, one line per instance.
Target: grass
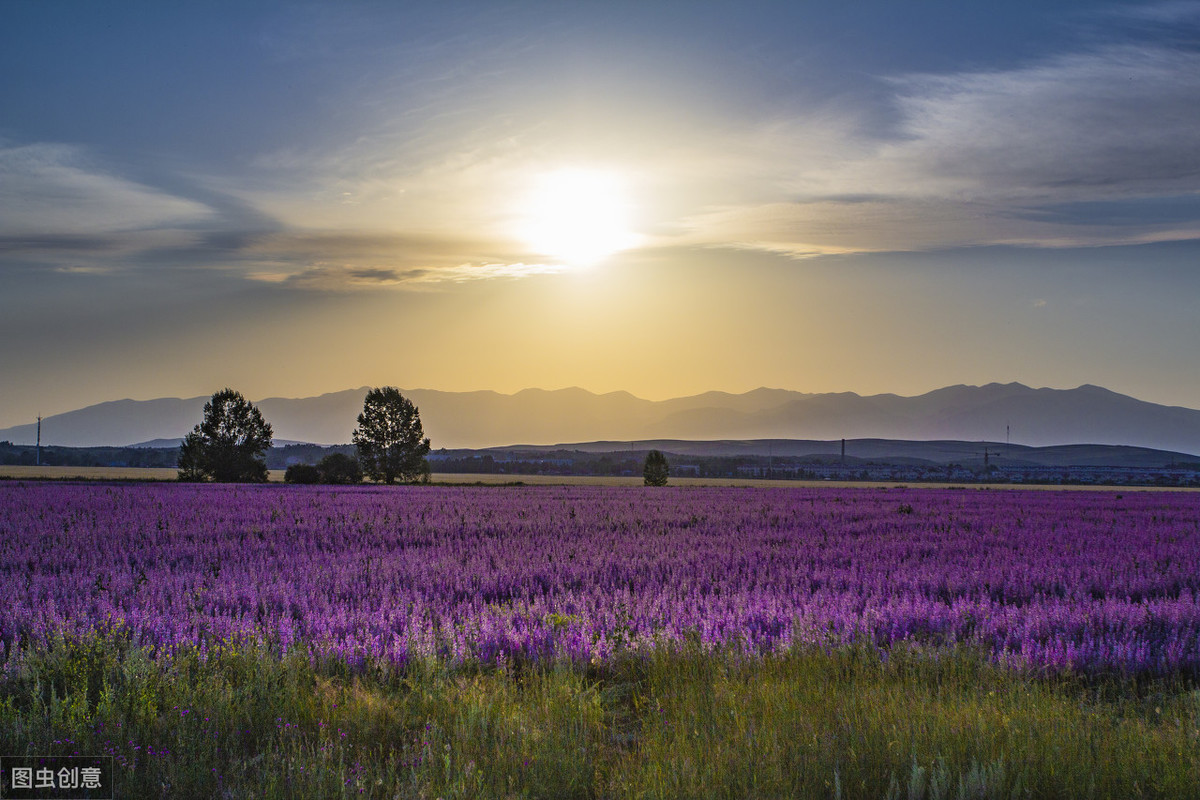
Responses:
[850,722]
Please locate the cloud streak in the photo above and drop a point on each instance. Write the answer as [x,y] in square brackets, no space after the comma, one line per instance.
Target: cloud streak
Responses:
[1124,121]
[51,190]
[343,278]
[985,158]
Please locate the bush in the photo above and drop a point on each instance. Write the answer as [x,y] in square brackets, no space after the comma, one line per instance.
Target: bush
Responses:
[302,473]
[339,468]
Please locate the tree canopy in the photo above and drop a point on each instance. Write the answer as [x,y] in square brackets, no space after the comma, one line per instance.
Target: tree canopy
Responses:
[339,468]
[302,473]
[390,440]
[656,469]
[229,445]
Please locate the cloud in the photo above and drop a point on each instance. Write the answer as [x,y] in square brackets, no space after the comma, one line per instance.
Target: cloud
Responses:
[1077,150]
[1168,13]
[477,272]
[817,228]
[348,261]
[1096,147]
[1124,121]
[50,190]
[345,278]
[57,212]
[374,275]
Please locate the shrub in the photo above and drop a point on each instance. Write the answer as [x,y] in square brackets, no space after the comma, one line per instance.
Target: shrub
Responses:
[302,473]
[339,468]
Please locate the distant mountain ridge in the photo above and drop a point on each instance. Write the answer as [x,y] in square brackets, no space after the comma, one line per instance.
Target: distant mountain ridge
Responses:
[1037,417]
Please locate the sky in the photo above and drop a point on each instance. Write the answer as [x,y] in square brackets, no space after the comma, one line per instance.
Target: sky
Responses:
[662,198]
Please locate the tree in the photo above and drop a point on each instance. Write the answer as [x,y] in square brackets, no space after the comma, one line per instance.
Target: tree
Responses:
[339,468]
[302,473]
[656,469]
[189,459]
[391,443]
[230,443]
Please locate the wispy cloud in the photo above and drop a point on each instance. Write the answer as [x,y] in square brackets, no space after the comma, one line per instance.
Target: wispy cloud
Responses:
[57,211]
[1167,13]
[984,158]
[350,260]
[344,278]
[1124,121]
[50,190]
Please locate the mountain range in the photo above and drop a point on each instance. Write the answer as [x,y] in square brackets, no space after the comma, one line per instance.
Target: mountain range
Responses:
[995,413]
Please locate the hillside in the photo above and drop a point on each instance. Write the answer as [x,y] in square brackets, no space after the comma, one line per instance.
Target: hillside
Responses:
[995,412]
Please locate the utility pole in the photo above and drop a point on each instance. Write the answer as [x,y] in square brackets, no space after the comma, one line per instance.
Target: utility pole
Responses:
[39,441]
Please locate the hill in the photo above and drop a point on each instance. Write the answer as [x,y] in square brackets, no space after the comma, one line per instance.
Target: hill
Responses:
[995,413]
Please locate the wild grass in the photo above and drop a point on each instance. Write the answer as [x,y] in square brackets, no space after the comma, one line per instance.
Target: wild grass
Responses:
[848,722]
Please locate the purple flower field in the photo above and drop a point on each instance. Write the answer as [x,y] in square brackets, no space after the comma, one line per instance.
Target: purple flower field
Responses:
[1094,581]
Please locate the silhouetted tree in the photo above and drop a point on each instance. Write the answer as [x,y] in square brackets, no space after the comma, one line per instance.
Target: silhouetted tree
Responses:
[390,440]
[189,458]
[230,443]
[339,468]
[656,469]
[302,473]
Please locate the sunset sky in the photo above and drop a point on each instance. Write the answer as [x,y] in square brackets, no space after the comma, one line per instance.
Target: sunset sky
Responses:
[663,198]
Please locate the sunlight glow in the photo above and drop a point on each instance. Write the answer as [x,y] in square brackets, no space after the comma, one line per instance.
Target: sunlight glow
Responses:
[577,216]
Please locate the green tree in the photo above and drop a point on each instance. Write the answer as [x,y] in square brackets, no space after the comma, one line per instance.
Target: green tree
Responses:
[189,458]
[339,468]
[229,444]
[302,473]
[390,440]
[656,469]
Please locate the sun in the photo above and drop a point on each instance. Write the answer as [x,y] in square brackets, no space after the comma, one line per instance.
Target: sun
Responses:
[577,216]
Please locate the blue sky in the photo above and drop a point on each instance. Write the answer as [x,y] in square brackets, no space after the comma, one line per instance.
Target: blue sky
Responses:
[299,198]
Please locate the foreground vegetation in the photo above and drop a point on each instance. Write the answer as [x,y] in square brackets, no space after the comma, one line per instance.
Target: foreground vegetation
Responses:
[848,722]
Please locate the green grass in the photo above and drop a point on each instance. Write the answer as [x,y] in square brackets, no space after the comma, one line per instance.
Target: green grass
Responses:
[247,722]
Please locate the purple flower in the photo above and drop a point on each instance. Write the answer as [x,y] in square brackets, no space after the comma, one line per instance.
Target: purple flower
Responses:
[1044,580]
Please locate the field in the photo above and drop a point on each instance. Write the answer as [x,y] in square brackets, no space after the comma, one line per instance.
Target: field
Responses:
[57,473]
[589,641]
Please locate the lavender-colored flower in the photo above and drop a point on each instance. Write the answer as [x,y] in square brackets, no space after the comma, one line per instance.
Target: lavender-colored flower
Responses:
[1086,580]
